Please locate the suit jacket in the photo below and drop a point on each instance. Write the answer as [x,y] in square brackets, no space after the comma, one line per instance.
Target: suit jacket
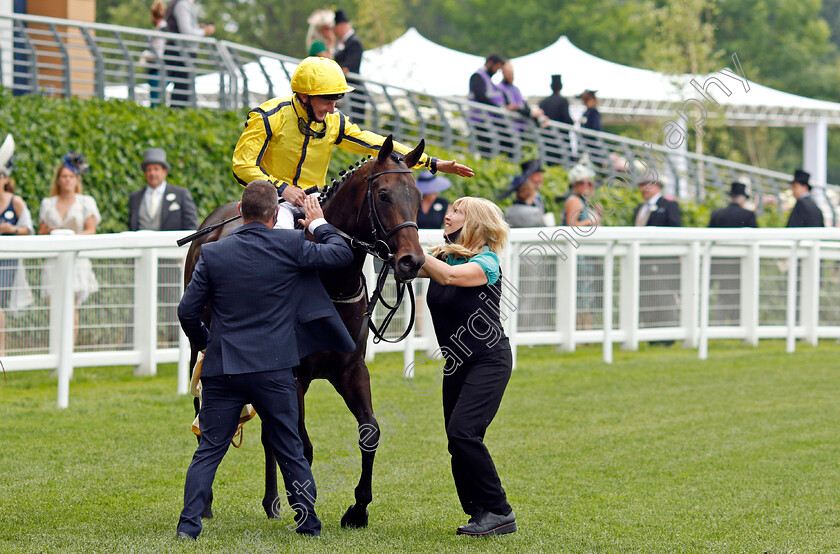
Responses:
[268,306]
[806,214]
[557,108]
[733,216]
[351,55]
[177,210]
[666,214]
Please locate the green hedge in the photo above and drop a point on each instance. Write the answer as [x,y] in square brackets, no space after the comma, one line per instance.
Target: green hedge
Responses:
[113,134]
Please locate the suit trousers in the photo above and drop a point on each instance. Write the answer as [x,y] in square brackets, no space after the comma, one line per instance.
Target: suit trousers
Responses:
[274,397]
[471,397]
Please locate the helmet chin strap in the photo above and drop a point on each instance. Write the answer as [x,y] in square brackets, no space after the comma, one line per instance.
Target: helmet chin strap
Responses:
[310,113]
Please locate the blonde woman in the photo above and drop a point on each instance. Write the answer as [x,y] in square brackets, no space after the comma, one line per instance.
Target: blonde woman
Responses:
[68,208]
[321,31]
[463,300]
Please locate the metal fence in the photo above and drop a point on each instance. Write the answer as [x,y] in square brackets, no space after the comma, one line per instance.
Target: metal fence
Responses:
[690,285]
[41,55]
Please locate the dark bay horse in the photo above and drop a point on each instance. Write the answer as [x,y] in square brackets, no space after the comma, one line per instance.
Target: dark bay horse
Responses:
[376,204]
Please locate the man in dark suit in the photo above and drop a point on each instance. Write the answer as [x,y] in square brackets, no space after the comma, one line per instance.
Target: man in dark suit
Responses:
[659,276]
[268,310]
[162,207]
[805,213]
[348,54]
[734,215]
[726,272]
[656,210]
[555,106]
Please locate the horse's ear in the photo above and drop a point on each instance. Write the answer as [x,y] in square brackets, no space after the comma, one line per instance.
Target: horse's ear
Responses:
[385,150]
[413,157]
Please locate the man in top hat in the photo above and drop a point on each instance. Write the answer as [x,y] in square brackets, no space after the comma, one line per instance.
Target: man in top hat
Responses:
[160,206]
[805,213]
[528,210]
[348,54]
[734,215]
[433,208]
[591,118]
[555,106]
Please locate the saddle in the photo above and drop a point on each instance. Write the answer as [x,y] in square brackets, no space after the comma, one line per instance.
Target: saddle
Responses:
[248,411]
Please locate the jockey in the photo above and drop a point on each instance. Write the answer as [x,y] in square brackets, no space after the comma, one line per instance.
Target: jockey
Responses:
[288,141]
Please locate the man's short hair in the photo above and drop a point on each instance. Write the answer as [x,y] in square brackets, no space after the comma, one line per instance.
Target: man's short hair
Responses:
[259,201]
[494,59]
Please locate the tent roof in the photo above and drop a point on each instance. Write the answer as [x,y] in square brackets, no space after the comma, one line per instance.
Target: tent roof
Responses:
[414,62]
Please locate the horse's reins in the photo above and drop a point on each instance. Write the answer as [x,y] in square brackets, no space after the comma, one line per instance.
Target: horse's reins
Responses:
[379,249]
[382,251]
[210,228]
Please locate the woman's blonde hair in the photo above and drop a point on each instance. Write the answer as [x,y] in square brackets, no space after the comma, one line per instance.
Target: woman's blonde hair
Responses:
[484,225]
[317,19]
[54,186]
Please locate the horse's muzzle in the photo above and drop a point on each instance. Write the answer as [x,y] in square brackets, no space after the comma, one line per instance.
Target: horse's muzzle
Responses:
[407,266]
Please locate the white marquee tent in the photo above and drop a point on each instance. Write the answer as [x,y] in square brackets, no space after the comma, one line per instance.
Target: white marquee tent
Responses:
[632,94]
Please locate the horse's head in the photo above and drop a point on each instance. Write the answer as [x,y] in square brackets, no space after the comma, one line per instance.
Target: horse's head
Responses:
[384,208]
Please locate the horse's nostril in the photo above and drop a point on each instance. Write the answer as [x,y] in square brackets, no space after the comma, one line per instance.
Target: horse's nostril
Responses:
[407,263]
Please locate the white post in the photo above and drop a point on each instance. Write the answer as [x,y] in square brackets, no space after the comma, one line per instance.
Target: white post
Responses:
[408,352]
[64,299]
[629,293]
[145,312]
[183,352]
[566,301]
[793,262]
[815,151]
[705,288]
[750,273]
[510,301]
[609,272]
[811,294]
[370,278]
[689,299]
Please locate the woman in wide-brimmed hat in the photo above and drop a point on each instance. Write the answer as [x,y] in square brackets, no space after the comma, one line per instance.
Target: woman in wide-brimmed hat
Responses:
[433,208]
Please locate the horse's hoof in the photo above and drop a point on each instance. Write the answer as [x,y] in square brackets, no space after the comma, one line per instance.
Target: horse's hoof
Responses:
[355,516]
[270,507]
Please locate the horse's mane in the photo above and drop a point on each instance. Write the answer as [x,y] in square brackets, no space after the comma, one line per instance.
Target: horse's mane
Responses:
[346,174]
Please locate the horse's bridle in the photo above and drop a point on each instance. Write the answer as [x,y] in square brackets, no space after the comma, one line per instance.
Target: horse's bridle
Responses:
[381,250]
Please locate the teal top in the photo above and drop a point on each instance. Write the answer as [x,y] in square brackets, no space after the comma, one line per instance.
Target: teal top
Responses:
[487,260]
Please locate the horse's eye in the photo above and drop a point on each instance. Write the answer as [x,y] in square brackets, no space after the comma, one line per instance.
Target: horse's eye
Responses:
[383,196]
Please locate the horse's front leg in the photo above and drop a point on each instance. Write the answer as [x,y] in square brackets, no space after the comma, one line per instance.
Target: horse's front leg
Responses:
[355,389]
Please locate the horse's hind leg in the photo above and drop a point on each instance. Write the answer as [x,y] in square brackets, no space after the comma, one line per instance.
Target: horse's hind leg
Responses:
[271,498]
[354,387]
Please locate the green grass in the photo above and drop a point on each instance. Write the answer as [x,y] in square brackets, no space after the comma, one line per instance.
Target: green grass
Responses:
[659,452]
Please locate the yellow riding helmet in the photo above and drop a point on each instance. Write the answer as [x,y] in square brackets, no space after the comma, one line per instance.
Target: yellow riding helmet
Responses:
[318,76]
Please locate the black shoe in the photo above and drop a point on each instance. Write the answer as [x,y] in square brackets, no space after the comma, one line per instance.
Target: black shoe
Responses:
[489,524]
[185,536]
[309,533]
